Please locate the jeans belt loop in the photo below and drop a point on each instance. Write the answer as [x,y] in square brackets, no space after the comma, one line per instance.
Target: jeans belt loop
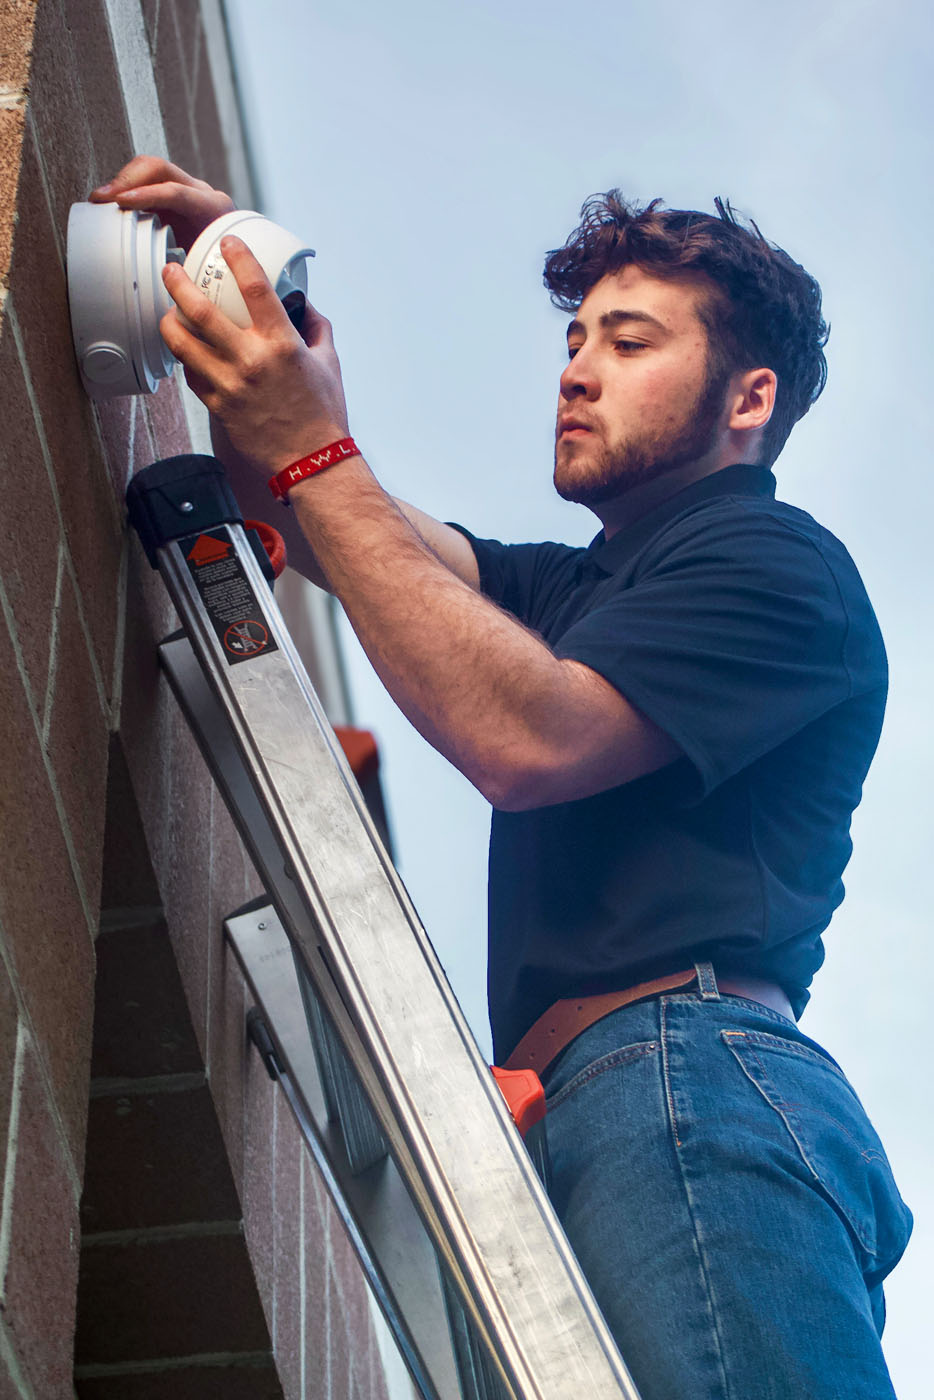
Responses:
[707,981]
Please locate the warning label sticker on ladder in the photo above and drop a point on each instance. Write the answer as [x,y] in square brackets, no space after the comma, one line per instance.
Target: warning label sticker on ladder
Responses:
[228,596]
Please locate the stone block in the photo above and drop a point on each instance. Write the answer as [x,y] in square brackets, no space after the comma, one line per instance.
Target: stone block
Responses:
[39,1288]
[43,922]
[28,555]
[101,86]
[17,18]
[155,1297]
[155,1158]
[90,515]
[78,743]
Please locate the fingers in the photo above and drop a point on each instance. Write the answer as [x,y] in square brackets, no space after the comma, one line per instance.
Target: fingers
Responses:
[210,325]
[143,170]
[316,329]
[266,310]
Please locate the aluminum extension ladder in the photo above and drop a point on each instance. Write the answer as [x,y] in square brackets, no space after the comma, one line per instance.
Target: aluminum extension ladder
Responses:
[452,1226]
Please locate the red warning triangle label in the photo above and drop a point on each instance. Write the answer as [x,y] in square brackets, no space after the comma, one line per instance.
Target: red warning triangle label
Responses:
[207,550]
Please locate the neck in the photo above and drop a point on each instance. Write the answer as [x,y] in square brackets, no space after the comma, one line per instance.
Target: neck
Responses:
[615,515]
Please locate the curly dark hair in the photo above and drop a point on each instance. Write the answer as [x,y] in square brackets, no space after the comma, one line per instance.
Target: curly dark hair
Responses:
[764,310]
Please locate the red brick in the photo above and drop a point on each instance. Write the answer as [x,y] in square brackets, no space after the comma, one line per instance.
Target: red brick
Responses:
[28,555]
[16,24]
[351,1287]
[187,19]
[151,19]
[101,87]
[147,706]
[39,1288]
[12,120]
[185,879]
[319,1298]
[256,1192]
[174,94]
[90,515]
[215,167]
[58,112]
[228,1054]
[155,1159]
[78,742]
[287,1229]
[158,1297]
[167,420]
[257,1381]
[43,921]
[233,882]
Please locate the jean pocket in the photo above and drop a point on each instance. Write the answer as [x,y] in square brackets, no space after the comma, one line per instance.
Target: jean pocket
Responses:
[624,1055]
[834,1138]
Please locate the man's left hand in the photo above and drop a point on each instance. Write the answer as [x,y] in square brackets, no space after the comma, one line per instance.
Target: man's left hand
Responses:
[278,394]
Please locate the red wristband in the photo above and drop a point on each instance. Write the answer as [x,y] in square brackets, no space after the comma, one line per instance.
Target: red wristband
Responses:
[290,476]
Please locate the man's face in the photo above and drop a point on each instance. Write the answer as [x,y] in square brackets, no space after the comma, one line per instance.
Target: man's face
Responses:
[637,398]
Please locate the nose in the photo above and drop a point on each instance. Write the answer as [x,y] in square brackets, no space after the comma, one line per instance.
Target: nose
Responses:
[579,379]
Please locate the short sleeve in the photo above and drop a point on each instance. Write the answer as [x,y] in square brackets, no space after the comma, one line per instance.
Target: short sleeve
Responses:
[737,630]
[527,580]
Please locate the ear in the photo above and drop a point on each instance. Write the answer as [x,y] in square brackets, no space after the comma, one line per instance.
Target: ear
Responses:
[752,399]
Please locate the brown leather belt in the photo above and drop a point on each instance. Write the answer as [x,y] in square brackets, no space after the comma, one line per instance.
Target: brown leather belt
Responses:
[565,1020]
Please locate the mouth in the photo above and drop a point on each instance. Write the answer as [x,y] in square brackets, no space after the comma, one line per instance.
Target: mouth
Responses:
[572,427]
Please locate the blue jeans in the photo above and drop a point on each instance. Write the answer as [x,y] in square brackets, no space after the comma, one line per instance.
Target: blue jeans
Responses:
[728,1200]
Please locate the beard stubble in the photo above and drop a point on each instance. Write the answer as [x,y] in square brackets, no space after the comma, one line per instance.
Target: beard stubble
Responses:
[617,470]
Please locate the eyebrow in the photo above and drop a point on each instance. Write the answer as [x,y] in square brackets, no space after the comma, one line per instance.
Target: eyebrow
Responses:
[611,319]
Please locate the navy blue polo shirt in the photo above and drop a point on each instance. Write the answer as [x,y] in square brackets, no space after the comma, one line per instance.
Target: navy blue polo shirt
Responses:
[741,627]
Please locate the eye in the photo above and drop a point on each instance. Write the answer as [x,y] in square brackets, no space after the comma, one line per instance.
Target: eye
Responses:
[572,351]
[628,346]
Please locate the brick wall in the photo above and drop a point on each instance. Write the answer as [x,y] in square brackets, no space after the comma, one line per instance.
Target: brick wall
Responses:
[210,1262]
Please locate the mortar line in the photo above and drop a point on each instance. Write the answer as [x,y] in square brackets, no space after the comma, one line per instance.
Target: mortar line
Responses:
[46,184]
[56,498]
[302,1286]
[53,647]
[116,685]
[9,1355]
[12,1142]
[26,1017]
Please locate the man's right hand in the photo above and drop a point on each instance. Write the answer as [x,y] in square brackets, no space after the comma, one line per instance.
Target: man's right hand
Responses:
[155,185]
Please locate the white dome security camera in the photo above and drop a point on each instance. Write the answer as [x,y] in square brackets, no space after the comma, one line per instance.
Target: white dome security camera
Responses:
[115,260]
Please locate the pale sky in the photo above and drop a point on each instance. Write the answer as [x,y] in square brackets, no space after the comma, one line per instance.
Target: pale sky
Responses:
[432,155]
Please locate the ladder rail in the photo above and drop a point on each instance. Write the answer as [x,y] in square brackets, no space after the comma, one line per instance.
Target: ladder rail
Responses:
[375,971]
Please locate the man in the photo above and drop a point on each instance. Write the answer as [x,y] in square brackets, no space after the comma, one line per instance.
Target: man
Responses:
[673,727]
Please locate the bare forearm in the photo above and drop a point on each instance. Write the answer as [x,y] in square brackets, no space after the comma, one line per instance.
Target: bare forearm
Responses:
[483,690]
[257,504]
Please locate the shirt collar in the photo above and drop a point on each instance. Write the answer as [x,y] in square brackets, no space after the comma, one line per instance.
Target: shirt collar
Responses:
[740,479]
